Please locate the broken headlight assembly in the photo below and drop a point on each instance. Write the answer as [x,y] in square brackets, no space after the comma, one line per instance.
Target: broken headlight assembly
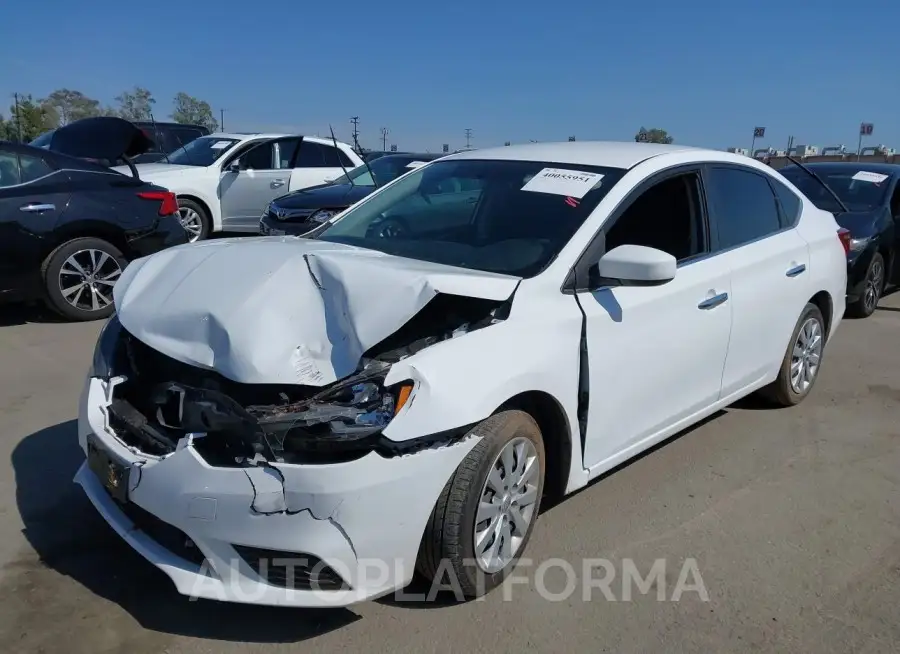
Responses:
[346,416]
[105,351]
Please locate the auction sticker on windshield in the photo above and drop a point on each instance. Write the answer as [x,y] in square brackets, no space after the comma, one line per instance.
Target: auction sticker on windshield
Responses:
[570,183]
[866,176]
[218,145]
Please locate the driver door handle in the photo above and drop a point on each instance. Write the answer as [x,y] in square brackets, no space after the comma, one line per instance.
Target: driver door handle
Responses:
[714,301]
[276,183]
[37,208]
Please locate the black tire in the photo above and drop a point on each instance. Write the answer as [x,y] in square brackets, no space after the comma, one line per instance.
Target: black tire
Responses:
[50,274]
[780,392]
[864,308]
[205,222]
[448,541]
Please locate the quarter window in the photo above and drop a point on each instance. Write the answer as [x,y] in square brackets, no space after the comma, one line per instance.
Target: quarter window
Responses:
[9,169]
[33,168]
[790,203]
[745,206]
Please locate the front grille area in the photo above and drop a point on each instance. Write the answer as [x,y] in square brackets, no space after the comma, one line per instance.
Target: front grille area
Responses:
[292,570]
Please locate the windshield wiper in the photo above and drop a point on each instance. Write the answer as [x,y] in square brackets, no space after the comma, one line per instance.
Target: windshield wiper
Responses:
[820,181]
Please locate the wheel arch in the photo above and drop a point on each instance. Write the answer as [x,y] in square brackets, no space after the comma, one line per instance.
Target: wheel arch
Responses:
[214,225]
[86,229]
[551,419]
[825,303]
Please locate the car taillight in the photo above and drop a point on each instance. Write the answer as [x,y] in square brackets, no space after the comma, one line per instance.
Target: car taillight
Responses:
[168,202]
[844,235]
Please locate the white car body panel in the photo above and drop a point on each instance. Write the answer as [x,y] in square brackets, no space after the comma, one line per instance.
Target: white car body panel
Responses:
[659,358]
[236,200]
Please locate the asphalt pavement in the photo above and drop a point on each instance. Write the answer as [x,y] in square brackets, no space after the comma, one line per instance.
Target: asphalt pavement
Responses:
[778,530]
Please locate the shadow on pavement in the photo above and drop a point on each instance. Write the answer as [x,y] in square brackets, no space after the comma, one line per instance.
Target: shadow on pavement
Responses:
[71,538]
[25,313]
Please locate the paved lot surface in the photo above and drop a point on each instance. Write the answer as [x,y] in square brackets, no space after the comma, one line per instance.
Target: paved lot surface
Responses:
[793,518]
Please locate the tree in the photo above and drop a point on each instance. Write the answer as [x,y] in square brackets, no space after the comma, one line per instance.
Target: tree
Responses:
[72,105]
[189,110]
[31,118]
[136,104]
[653,135]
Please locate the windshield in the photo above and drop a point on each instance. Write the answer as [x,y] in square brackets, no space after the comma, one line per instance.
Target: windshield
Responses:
[504,216]
[859,189]
[204,151]
[43,141]
[384,169]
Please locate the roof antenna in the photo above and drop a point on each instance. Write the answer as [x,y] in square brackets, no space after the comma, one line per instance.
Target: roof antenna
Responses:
[156,132]
[821,181]
[338,153]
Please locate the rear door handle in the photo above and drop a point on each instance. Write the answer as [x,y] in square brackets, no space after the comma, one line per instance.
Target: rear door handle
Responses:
[277,183]
[796,270]
[37,208]
[714,301]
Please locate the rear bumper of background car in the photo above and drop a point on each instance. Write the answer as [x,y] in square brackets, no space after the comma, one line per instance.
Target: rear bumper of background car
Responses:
[292,535]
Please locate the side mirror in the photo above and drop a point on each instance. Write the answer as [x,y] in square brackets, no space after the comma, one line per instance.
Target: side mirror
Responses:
[637,265]
[233,167]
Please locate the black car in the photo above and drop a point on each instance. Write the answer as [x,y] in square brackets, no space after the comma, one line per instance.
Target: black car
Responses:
[165,138]
[301,211]
[870,195]
[69,226]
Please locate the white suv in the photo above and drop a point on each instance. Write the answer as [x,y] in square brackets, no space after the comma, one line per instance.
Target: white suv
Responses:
[225,181]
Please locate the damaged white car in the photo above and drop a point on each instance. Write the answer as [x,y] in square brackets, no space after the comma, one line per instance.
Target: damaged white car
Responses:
[308,421]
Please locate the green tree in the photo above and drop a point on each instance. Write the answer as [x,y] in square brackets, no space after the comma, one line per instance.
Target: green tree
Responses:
[72,105]
[136,104]
[31,118]
[189,110]
[653,135]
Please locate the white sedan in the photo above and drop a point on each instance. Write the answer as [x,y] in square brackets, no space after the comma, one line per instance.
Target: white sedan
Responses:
[224,182]
[306,421]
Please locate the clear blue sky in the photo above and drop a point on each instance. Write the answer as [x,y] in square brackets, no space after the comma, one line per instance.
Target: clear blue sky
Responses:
[706,71]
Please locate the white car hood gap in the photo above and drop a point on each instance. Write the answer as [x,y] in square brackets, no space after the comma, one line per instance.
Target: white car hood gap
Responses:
[282,310]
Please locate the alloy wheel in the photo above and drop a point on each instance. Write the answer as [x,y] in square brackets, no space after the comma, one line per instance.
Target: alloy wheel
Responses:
[806,355]
[87,277]
[506,505]
[191,222]
[874,284]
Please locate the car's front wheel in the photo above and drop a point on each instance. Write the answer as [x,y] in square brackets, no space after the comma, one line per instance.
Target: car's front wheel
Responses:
[485,513]
[79,277]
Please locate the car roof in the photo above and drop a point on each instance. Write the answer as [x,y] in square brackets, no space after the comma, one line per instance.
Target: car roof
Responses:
[425,156]
[612,154]
[238,136]
[875,167]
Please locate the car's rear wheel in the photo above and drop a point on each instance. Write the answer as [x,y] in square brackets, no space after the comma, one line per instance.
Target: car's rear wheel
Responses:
[873,288]
[194,219]
[802,361]
[79,277]
[484,516]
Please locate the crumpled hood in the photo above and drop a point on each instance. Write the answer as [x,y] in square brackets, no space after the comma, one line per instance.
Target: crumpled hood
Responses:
[282,310]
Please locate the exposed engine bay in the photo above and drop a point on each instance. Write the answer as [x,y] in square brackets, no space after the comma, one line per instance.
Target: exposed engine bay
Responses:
[160,404]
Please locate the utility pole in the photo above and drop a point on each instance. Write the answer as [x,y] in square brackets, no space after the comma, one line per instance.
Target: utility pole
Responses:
[355,122]
[384,133]
[222,119]
[18,120]
[468,137]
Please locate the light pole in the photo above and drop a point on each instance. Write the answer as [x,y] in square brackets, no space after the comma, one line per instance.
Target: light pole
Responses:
[384,134]
[222,119]
[468,137]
